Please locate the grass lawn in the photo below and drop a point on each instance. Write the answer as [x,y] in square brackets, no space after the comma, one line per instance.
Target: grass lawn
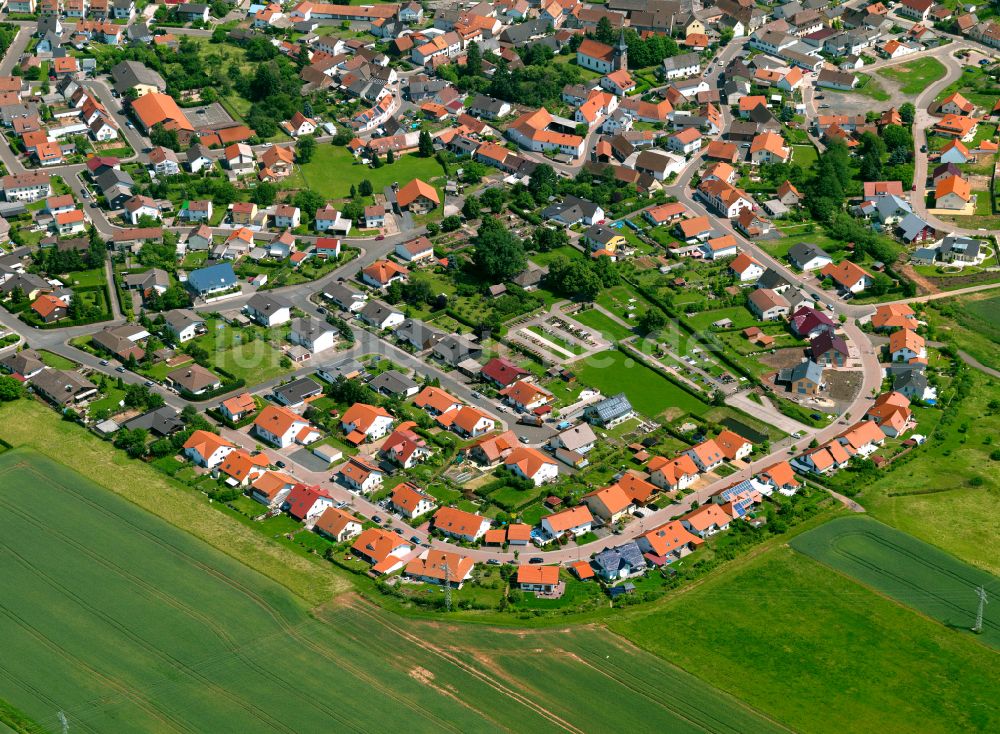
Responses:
[906,569]
[802,633]
[869,87]
[109,402]
[741,318]
[804,156]
[598,321]
[56,361]
[544,258]
[333,170]
[613,372]
[623,302]
[255,362]
[94,276]
[915,76]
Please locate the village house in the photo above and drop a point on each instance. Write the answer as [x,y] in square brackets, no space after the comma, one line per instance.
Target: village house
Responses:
[575,521]
[410,501]
[360,475]
[460,524]
[281,427]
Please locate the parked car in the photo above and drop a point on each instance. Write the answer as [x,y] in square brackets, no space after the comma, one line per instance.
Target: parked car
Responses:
[119,368]
[493,562]
[149,383]
[104,363]
[280,464]
[414,539]
[537,559]
[377,519]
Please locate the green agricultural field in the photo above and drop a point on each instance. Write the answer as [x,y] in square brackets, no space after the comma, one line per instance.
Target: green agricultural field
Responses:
[900,566]
[333,170]
[125,623]
[915,76]
[822,653]
[613,372]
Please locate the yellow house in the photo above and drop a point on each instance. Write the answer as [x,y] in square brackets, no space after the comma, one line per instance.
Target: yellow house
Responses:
[602,237]
[695,26]
[243,212]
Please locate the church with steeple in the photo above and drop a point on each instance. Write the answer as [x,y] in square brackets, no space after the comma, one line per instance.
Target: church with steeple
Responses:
[601,57]
[620,59]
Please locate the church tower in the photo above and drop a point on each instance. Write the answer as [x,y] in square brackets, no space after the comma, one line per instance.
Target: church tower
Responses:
[620,60]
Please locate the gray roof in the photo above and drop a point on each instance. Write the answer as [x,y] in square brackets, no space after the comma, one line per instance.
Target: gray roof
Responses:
[310,328]
[611,561]
[490,105]
[807,370]
[418,334]
[25,362]
[27,282]
[181,318]
[802,252]
[966,246]
[393,382]
[376,312]
[147,279]
[912,381]
[611,408]
[681,61]
[891,205]
[163,421]
[112,177]
[911,225]
[571,209]
[267,303]
[601,233]
[61,386]
[341,294]
[346,366]
[129,74]
[577,436]
[297,390]
[453,349]
[772,279]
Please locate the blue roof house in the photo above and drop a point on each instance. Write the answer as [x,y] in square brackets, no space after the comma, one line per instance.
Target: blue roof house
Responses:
[213,279]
